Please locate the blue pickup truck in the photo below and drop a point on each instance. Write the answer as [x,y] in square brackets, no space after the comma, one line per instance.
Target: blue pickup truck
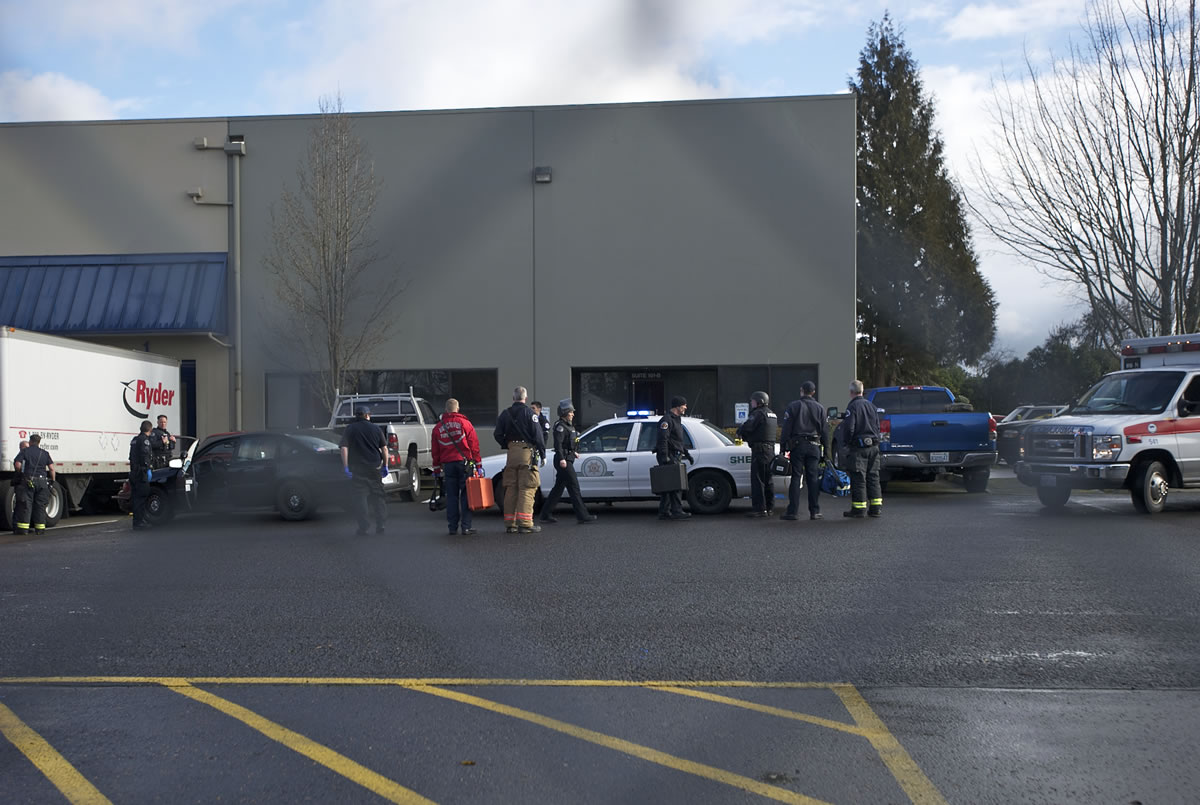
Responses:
[922,435]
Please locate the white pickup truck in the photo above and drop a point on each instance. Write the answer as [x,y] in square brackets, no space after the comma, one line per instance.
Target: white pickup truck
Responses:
[1137,429]
[407,423]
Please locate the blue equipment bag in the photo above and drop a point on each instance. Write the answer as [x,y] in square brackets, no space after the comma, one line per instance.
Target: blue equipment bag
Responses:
[834,481]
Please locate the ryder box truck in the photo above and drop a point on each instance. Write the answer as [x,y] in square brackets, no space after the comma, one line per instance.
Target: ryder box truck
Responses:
[87,402]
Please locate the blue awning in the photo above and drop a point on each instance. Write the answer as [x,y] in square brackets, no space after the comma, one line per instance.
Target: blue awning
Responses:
[115,293]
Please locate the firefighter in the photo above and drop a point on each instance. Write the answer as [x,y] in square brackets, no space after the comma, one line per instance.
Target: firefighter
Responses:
[36,469]
[18,486]
[519,432]
[670,448]
[141,463]
[565,478]
[803,435]
[759,432]
[859,436]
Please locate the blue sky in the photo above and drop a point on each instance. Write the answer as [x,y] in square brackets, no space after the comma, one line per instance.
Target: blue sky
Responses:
[130,59]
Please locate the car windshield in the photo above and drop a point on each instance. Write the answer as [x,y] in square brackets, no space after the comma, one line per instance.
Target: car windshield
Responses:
[1130,393]
[317,441]
[722,437]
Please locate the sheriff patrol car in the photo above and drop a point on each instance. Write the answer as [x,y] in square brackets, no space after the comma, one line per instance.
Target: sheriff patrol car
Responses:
[615,457]
[1136,429]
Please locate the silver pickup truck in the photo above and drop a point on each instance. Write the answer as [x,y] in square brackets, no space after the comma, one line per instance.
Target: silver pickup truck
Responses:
[407,423]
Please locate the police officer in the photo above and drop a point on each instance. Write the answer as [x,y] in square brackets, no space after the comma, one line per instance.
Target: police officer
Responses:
[364,460]
[565,454]
[162,443]
[37,473]
[18,486]
[545,423]
[759,432]
[804,435]
[670,448]
[859,435]
[519,431]
[141,462]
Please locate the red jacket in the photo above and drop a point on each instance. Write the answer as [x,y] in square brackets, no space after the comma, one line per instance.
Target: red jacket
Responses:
[451,429]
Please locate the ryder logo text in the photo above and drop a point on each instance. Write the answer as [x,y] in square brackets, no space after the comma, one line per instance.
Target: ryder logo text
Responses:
[144,396]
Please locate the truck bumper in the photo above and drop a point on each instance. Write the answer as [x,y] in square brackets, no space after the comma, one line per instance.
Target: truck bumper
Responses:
[921,462]
[1075,476]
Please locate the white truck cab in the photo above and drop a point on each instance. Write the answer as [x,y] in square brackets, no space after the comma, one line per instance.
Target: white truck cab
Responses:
[1137,428]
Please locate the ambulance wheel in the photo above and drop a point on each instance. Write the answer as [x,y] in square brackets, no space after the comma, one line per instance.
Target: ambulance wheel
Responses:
[8,517]
[294,501]
[56,508]
[1149,493]
[709,492]
[159,510]
[1054,497]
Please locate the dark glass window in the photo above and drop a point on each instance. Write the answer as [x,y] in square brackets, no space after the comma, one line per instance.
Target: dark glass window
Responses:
[607,439]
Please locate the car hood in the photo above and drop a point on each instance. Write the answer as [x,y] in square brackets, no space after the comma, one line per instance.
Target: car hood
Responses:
[1095,424]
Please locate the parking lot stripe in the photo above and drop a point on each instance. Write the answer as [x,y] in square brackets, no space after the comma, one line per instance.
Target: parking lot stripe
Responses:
[627,747]
[907,773]
[410,682]
[58,770]
[334,761]
[762,708]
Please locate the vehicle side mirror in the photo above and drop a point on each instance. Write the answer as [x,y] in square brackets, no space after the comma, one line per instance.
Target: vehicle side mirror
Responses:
[1189,407]
[832,412]
[175,463]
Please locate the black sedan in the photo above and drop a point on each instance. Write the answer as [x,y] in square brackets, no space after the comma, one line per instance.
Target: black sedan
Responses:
[294,473]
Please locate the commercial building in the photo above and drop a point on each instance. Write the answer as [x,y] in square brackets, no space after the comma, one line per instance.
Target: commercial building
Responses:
[616,254]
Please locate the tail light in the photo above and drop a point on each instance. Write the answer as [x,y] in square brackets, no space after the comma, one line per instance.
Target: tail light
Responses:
[992,428]
[885,431]
[393,442]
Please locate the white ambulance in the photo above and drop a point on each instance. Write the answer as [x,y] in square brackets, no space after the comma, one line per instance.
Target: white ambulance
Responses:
[1136,429]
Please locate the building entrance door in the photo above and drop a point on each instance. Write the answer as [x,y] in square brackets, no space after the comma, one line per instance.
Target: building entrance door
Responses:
[647,395]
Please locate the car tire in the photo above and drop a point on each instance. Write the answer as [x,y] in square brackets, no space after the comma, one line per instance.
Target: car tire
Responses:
[159,508]
[413,492]
[498,489]
[976,481]
[1054,497]
[1149,494]
[709,492]
[294,501]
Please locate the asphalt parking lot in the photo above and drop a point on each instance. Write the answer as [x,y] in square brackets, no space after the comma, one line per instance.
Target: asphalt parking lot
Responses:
[964,648]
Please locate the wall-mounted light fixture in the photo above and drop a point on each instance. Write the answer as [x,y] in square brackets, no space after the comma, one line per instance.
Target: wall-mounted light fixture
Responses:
[542,175]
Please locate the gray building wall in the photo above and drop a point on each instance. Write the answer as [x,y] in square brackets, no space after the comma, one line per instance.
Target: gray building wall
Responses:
[672,235]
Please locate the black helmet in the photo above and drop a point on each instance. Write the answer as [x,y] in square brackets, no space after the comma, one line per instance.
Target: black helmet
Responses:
[565,407]
[761,398]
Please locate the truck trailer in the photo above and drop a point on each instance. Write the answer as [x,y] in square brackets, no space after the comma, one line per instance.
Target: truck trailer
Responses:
[87,401]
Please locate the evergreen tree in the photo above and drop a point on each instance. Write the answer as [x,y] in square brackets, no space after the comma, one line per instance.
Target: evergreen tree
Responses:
[922,303]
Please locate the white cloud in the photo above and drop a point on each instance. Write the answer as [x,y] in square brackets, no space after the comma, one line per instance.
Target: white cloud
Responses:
[1014,19]
[53,96]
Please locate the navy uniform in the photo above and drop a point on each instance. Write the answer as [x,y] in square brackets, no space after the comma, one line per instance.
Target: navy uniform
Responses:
[759,431]
[671,448]
[141,462]
[859,434]
[565,479]
[519,432]
[36,468]
[163,445]
[364,457]
[804,435]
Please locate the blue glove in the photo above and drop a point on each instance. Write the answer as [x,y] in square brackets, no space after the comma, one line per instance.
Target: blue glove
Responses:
[149,474]
[347,471]
[383,471]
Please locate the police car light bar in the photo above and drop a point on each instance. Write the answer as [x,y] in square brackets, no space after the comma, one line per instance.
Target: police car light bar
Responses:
[639,413]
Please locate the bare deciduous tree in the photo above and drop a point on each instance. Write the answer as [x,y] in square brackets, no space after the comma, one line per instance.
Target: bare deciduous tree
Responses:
[337,309]
[1094,179]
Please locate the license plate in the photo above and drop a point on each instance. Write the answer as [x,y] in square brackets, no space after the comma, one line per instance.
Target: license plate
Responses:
[1048,480]
[389,479]
[939,458]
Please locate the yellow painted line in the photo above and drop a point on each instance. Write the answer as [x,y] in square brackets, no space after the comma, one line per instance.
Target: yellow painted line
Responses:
[66,778]
[772,711]
[404,682]
[627,747]
[907,773]
[334,761]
